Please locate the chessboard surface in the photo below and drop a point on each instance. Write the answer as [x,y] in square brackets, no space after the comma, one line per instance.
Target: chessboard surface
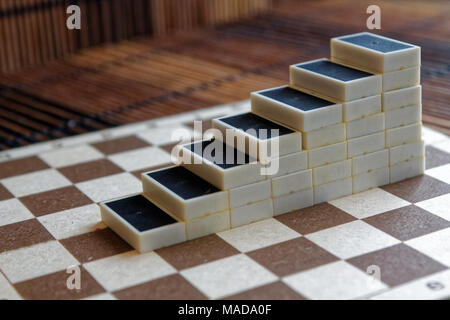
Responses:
[144,78]
[389,242]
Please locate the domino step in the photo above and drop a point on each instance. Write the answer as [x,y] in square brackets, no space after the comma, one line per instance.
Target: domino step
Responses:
[141,223]
[296,109]
[221,165]
[329,79]
[184,194]
[374,53]
[245,131]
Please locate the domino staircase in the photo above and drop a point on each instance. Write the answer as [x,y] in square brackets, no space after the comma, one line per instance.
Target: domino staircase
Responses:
[342,126]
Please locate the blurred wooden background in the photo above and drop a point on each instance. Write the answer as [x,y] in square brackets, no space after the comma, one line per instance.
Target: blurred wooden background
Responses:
[173,58]
[33,32]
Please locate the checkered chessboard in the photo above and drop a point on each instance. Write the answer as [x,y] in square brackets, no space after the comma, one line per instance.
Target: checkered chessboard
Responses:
[385,243]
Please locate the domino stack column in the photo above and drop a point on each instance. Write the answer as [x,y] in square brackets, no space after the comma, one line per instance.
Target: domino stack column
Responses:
[398,63]
[362,128]
[319,121]
[285,170]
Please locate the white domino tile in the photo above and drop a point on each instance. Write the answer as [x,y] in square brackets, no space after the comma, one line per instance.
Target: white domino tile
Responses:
[366,144]
[332,172]
[334,81]
[203,226]
[332,190]
[403,116]
[406,152]
[286,164]
[367,125]
[407,169]
[291,183]
[370,161]
[374,52]
[401,79]
[361,108]
[401,97]
[375,178]
[296,109]
[250,213]
[293,201]
[324,136]
[325,155]
[405,134]
[246,195]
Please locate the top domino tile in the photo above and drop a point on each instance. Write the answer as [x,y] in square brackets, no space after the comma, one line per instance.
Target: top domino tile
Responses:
[374,53]
[334,81]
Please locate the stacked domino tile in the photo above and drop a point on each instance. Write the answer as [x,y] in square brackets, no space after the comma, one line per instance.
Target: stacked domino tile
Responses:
[345,125]
[398,63]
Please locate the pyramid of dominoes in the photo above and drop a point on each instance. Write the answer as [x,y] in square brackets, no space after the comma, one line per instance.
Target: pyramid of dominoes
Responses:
[342,125]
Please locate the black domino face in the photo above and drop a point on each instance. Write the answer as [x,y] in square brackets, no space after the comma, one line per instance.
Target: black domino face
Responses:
[183,182]
[140,213]
[253,123]
[220,154]
[334,70]
[297,99]
[373,42]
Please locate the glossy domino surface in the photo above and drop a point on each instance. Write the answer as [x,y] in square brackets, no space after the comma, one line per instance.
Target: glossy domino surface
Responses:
[183,182]
[140,213]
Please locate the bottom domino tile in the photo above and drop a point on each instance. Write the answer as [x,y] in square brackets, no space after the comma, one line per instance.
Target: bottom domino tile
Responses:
[375,178]
[141,223]
[209,224]
[407,169]
[332,190]
[250,213]
[249,194]
[292,201]
[370,161]
[291,183]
